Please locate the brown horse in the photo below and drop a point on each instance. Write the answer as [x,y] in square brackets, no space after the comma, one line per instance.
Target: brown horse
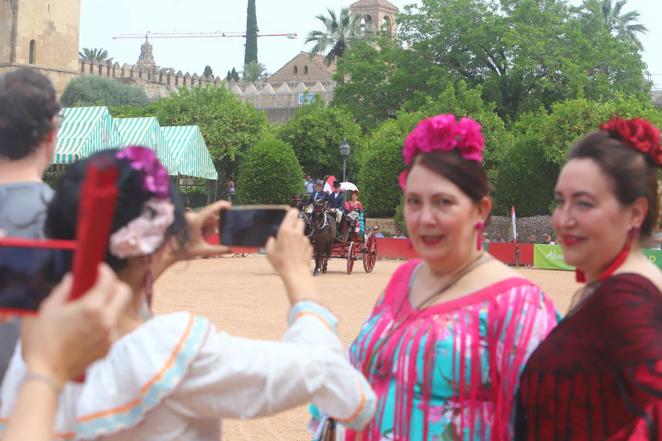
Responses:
[322,235]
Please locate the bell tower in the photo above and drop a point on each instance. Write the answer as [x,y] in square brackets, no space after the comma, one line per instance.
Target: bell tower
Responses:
[41,35]
[378,15]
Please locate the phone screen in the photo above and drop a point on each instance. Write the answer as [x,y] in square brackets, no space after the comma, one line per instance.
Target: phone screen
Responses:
[250,226]
[28,274]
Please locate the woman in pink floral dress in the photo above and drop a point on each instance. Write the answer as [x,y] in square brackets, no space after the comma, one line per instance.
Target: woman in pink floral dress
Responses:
[448,337]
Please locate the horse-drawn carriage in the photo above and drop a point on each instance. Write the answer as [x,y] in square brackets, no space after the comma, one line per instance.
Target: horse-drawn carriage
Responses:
[349,243]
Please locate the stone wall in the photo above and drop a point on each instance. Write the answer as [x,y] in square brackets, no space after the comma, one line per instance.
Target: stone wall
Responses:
[657,98]
[280,100]
[59,77]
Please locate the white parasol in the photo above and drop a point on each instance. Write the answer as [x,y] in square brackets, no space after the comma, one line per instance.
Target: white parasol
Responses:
[348,186]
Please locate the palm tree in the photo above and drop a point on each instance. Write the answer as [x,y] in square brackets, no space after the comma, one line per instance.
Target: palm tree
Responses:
[610,13]
[339,33]
[97,55]
[254,72]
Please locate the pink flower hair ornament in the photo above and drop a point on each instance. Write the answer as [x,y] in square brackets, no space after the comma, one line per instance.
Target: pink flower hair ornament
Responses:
[443,133]
[145,234]
[155,176]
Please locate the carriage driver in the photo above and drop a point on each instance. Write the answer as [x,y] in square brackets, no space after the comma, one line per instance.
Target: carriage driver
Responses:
[336,202]
[318,194]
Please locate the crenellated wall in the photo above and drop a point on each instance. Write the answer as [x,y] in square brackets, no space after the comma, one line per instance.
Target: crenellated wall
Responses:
[279,99]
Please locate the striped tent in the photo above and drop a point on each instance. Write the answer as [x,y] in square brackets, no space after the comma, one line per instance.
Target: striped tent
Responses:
[190,152]
[146,132]
[84,131]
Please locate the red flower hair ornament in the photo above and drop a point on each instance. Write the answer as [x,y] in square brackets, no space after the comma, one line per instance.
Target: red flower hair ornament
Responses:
[443,133]
[638,134]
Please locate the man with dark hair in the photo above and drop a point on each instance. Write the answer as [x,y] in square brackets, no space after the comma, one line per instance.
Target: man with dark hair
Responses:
[28,128]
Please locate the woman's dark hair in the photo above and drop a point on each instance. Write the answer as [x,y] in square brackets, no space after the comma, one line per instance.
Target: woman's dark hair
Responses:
[27,107]
[469,176]
[61,219]
[632,173]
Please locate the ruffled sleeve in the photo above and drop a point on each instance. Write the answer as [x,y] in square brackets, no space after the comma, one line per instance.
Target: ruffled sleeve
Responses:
[244,378]
[520,320]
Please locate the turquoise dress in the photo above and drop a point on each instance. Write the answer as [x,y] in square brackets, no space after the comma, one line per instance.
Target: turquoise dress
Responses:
[449,371]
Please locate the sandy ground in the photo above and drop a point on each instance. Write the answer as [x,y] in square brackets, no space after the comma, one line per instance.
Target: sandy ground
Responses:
[244,297]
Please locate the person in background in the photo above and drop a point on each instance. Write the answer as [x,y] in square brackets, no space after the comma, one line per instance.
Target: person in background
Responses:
[598,375]
[398,234]
[327,187]
[532,238]
[174,376]
[230,189]
[318,193]
[448,337]
[354,206]
[336,200]
[377,231]
[499,238]
[309,184]
[28,130]
[58,345]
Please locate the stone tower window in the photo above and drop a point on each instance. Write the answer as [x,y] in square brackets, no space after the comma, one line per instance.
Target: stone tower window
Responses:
[305,70]
[33,52]
[296,70]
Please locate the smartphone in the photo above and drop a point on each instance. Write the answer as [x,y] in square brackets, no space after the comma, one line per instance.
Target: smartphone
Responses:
[29,270]
[250,225]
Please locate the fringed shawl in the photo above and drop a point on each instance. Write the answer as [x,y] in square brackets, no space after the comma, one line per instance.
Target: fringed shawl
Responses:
[449,371]
[598,376]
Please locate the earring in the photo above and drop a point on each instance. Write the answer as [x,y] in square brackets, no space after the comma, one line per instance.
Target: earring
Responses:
[480,226]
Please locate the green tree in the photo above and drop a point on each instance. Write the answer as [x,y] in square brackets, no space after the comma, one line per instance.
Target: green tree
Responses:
[98,91]
[97,55]
[232,75]
[381,164]
[524,55]
[316,132]
[208,71]
[384,78]
[610,14]
[526,177]
[339,33]
[269,174]
[250,54]
[229,126]
[529,169]
[254,72]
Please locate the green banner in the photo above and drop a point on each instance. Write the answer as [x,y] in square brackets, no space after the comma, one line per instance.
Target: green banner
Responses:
[549,257]
[655,256]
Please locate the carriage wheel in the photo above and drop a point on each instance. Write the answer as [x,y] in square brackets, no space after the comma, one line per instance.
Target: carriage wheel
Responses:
[369,253]
[352,251]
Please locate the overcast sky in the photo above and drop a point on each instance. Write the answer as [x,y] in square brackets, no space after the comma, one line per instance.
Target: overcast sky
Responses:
[103,19]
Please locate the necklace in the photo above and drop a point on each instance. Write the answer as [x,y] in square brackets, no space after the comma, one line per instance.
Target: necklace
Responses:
[478,261]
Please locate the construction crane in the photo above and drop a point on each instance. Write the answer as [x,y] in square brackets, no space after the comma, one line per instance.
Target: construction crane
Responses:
[217,34]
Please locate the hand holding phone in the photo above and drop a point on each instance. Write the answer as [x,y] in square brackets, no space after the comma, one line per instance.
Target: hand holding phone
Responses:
[250,225]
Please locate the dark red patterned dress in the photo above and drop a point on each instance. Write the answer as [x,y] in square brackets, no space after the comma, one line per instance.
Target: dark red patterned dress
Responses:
[598,375]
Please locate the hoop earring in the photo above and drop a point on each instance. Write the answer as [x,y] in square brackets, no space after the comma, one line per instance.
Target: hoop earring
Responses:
[480,226]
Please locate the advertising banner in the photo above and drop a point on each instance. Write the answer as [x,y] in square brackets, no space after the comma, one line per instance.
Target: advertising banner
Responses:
[655,256]
[549,257]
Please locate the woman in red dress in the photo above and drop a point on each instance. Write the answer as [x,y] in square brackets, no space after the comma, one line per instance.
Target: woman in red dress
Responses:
[598,375]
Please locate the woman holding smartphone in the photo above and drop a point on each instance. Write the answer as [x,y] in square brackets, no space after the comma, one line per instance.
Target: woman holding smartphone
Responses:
[598,375]
[172,377]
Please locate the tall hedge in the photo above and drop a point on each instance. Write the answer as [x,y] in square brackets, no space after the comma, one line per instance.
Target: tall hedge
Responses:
[98,91]
[269,174]
[381,163]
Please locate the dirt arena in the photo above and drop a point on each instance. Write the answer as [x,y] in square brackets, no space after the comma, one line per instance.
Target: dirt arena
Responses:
[244,297]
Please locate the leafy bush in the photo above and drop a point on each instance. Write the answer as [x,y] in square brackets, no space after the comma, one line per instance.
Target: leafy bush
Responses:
[98,91]
[269,174]
[316,132]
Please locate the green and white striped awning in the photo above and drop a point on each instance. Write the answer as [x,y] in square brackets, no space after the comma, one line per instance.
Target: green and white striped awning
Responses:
[190,152]
[84,131]
[146,132]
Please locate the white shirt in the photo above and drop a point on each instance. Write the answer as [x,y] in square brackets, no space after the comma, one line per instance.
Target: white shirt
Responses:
[174,377]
